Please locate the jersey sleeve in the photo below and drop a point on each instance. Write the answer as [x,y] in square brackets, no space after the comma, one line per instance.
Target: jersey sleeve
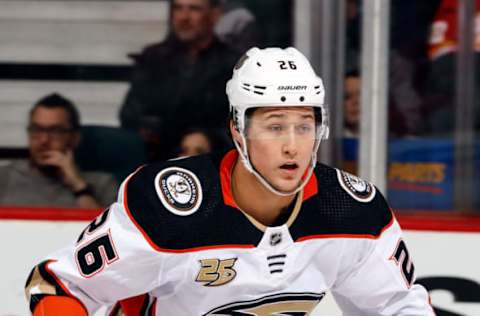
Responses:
[378,278]
[110,261]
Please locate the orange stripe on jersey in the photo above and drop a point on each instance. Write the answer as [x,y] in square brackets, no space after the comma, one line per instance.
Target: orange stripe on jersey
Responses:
[134,305]
[160,249]
[360,236]
[153,308]
[60,283]
[226,168]
[59,306]
[311,188]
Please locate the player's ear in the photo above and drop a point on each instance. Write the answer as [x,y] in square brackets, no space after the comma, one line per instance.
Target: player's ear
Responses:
[235,133]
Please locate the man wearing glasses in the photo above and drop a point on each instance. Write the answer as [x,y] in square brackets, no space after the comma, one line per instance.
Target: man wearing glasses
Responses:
[51,176]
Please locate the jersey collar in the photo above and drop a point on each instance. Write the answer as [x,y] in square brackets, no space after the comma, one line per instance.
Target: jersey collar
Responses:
[226,168]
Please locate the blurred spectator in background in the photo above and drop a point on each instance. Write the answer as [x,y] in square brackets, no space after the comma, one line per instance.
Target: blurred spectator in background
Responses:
[51,176]
[237,26]
[409,30]
[352,38]
[441,81]
[352,111]
[180,82]
[197,141]
[444,30]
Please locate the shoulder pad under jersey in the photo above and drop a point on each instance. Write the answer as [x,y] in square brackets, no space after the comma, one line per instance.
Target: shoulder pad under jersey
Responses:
[178,205]
[344,205]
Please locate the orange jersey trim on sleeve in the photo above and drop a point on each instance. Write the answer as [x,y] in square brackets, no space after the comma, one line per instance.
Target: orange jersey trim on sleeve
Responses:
[60,283]
[133,306]
[59,306]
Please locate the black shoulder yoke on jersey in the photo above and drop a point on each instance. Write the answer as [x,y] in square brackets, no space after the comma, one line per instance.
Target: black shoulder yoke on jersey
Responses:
[214,223]
[332,211]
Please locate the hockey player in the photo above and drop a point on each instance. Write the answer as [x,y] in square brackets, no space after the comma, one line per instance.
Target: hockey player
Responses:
[260,230]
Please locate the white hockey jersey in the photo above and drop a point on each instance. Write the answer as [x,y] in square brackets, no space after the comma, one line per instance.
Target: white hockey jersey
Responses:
[176,241]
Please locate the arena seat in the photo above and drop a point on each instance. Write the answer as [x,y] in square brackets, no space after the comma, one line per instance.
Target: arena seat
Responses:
[110,149]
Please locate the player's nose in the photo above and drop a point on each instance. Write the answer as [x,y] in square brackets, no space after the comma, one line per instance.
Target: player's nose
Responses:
[290,143]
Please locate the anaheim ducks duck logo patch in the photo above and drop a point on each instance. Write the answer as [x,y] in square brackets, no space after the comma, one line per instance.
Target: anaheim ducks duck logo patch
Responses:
[301,304]
[179,190]
[359,189]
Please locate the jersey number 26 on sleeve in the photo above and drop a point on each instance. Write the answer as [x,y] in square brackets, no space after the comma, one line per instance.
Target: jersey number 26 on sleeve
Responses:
[402,259]
[92,257]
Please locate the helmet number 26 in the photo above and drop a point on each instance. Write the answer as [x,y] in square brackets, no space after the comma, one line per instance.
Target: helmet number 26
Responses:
[285,65]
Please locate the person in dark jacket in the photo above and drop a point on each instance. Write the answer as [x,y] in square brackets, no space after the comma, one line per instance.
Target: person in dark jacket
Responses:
[180,82]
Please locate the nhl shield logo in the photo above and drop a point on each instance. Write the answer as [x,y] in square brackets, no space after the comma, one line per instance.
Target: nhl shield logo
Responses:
[359,189]
[179,190]
[275,239]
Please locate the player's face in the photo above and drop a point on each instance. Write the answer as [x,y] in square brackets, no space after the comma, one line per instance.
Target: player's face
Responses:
[193,20]
[49,130]
[280,144]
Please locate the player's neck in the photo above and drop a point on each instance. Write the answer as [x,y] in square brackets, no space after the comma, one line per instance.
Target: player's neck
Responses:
[254,198]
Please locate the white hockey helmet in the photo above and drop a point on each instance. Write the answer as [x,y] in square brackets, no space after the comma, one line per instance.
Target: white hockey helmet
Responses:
[275,77]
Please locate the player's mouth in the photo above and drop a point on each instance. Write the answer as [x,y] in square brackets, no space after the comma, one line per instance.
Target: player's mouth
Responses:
[289,167]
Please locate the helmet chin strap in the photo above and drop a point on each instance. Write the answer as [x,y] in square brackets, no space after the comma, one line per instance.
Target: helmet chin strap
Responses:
[246,162]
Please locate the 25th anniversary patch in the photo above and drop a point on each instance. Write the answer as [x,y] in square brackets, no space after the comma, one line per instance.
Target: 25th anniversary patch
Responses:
[179,190]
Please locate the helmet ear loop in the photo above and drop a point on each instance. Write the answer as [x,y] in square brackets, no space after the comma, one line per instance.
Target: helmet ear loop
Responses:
[242,151]
[322,134]
[236,121]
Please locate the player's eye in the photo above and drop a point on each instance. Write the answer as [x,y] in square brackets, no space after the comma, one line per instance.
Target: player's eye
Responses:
[275,127]
[305,128]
